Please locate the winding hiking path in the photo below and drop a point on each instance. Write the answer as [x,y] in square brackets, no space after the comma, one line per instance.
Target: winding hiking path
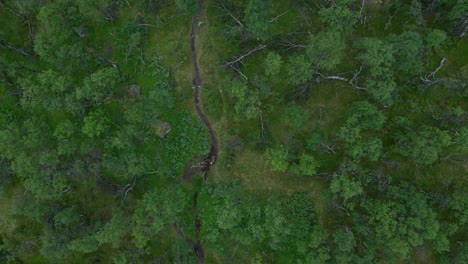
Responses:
[212,156]
[197,84]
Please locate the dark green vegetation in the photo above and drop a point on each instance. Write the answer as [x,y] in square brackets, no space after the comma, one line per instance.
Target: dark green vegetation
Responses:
[342,127]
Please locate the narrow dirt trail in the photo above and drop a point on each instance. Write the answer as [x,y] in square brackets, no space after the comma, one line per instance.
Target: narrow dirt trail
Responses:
[212,156]
[197,84]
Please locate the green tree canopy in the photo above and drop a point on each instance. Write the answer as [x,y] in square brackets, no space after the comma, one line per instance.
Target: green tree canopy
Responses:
[273,62]
[279,158]
[307,165]
[257,18]
[379,57]
[422,144]
[158,208]
[99,86]
[326,49]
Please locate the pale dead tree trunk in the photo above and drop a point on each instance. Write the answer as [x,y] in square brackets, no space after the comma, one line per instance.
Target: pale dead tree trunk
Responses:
[389,21]
[240,58]
[147,25]
[305,17]
[465,28]
[81,31]
[106,60]
[178,39]
[340,206]
[232,64]
[278,16]
[7,83]
[441,64]
[126,189]
[30,34]
[141,57]
[356,76]
[231,15]
[363,20]
[333,77]
[109,12]
[429,82]
[237,70]
[67,189]
[320,110]
[328,148]
[8,46]
[363,3]
[291,45]
[429,79]
[235,249]
[262,132]
[352,81]
[4,5]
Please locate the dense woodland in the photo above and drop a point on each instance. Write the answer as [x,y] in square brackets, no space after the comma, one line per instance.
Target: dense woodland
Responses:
[342,127]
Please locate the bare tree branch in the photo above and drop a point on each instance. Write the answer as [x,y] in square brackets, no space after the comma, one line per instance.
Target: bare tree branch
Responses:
[8,46]
[278,16]
[362,7]
[262,132]
[465,28]
[178,39]
[352,81]
[292,45]
[147,25]
[389,22]
[237,70]
[429,79]
[231,15]
[441,64]
[2,4]
[126,189]
[328,148]
[240,58]
[363,19]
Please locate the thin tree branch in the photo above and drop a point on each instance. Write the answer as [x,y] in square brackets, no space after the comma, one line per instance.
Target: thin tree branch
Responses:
[352,81]
[278,16]
[6,45]
[441,64]
[240,58]
[231,15]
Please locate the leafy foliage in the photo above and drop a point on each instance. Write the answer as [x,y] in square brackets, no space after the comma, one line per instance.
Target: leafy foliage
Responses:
[359,108]
[278,158]
[424,145]
[257,16]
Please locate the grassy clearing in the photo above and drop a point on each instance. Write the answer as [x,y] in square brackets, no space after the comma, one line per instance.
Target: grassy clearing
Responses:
[7,223]
[171,40]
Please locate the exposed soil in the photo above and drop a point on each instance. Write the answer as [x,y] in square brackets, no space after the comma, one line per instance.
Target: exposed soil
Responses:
[197,83]
[202,164]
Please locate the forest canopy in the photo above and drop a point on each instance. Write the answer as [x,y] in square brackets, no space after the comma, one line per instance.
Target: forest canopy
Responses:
[233,131]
